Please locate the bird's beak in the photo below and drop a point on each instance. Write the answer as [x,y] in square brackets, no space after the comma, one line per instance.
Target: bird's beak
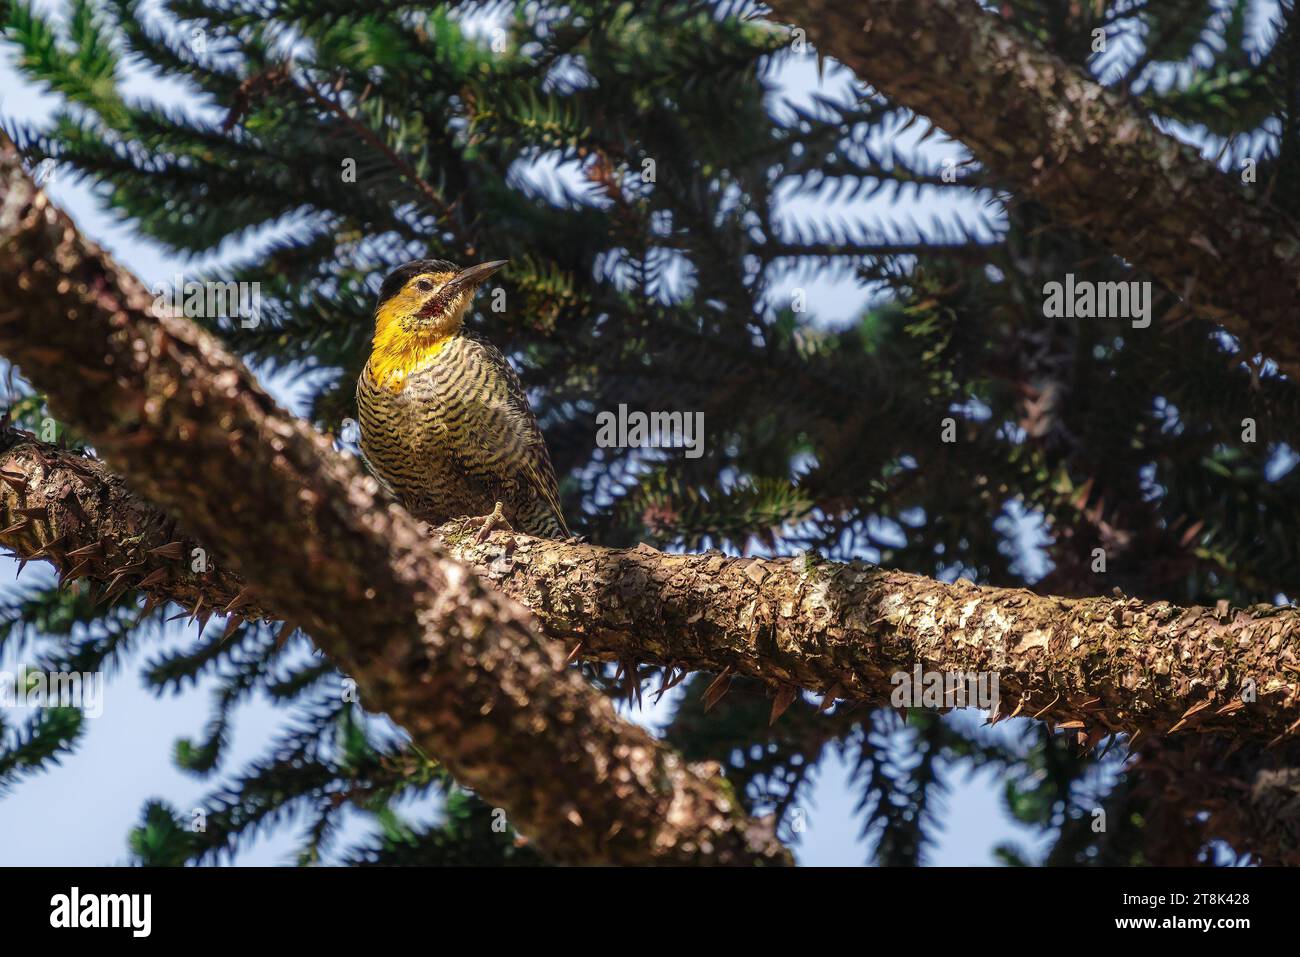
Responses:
[473,276]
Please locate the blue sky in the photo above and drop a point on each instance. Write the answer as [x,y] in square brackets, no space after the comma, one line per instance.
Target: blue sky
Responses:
[81,811]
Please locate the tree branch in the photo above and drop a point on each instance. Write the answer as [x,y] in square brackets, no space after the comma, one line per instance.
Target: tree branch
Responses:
[460,666]
[1087,153]
[1094,666]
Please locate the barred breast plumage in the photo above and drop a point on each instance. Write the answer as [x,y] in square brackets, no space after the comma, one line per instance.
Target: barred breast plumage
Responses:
[458,437]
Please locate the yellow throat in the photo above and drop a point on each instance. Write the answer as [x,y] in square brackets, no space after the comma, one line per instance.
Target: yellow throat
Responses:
[401,347]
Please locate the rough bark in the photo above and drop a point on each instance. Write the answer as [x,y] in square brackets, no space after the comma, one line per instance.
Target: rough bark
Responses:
[461,667]
[1094,666]
[1089,154]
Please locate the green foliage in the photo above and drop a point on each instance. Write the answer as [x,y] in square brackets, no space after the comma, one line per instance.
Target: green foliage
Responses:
[38,743]
[532,145]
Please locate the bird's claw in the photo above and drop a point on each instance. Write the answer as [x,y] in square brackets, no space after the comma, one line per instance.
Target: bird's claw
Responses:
[492,522]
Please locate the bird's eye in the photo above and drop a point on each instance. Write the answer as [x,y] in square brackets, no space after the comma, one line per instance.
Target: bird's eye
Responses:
[424,285]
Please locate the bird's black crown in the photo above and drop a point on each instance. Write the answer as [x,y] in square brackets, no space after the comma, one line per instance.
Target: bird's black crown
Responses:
[403,274]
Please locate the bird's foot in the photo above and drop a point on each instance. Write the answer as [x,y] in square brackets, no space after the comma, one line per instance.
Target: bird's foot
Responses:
[492,522]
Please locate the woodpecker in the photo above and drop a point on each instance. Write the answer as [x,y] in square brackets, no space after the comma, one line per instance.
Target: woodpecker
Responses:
[445,423]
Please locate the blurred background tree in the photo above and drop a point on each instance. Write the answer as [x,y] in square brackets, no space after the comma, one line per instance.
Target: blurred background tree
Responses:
[684,234]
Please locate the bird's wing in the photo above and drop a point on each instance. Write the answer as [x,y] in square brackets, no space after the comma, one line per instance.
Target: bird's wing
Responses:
[516,428]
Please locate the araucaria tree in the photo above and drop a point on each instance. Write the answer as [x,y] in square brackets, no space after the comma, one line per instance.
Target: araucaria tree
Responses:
[1065,412]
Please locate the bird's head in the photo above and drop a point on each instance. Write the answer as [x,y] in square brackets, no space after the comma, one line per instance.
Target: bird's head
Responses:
[427,298]
[421,307]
